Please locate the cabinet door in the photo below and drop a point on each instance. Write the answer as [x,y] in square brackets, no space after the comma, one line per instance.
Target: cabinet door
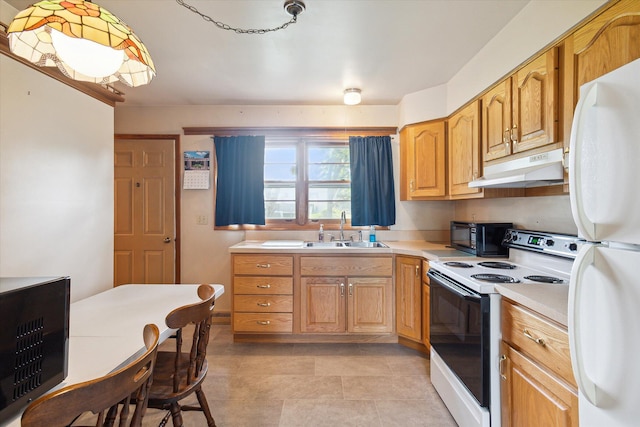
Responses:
[370,304]
[464,150]
[423,160]
[609,41]
[496,122]
[425,305]
[535,103]
[530,396]
[408,297]
[323,304]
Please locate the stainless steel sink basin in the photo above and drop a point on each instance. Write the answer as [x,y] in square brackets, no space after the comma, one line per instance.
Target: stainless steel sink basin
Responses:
[345,244]
[323,245]
[365,245]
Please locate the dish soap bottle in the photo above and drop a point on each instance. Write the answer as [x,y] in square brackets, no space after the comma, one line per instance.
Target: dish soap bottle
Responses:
[372,233]
[321,233]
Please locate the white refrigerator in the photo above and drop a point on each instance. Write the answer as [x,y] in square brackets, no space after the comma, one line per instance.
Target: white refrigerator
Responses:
[604,292]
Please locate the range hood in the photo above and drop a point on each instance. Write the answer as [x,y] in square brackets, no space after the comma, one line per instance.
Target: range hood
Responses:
[538,170]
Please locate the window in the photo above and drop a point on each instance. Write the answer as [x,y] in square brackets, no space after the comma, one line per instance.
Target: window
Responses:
[306,172]
[307,180]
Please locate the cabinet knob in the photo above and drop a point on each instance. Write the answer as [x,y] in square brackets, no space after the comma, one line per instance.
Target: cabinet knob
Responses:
[502,359]
[263,322]
[267,286]
[514,137]
[264,304]
[341,289]
[263,265]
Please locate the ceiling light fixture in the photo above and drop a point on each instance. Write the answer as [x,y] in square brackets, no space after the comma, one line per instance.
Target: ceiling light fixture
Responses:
[85,41]
[352,96]
[292,7]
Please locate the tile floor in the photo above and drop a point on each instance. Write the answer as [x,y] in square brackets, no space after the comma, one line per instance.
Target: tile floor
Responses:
[287,385]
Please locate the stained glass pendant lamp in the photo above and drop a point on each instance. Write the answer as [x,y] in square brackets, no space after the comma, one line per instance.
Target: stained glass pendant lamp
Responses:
[85,41]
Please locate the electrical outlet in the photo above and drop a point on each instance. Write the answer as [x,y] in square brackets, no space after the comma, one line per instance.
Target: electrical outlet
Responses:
[201,220]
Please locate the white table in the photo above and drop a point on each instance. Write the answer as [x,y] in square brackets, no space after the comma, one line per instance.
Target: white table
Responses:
[105,330]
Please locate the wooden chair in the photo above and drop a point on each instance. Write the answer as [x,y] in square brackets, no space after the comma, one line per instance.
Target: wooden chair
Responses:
[177,374]
[101,396]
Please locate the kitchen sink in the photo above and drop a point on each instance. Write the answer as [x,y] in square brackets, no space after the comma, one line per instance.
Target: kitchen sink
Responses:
[365,245]
[345,244]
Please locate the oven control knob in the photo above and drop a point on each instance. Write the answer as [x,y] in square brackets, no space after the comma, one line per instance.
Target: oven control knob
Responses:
[573,247]
[550,242]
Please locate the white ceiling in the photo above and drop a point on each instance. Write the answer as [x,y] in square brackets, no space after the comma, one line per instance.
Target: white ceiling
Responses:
[388,48]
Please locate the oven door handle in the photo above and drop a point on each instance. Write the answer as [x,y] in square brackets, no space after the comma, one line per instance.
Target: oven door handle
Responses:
[453,286]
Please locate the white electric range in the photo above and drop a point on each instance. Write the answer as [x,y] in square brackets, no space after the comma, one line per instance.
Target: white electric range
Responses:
[465,317]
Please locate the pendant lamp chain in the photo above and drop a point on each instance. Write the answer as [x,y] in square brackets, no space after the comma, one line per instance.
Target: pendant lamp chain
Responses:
[293,8]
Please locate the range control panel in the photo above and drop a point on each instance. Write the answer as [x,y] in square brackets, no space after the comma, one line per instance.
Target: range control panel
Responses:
[564,245]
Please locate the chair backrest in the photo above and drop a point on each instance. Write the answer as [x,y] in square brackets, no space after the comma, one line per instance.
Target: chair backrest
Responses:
[199,315]
[100,396]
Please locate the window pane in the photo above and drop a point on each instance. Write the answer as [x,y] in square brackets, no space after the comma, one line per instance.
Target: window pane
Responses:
[329,172]
[328,209]
[319,192]
[280,210]
[280,172]
[279,192]
[332,154]
[277,154]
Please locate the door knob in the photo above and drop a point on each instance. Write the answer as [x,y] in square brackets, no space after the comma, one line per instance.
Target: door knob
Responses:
[167,240]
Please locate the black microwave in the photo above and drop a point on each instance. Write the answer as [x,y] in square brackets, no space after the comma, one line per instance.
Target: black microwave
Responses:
[483,239]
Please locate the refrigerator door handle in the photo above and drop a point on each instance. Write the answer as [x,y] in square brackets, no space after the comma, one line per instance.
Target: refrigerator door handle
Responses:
[585,258]
[585,225]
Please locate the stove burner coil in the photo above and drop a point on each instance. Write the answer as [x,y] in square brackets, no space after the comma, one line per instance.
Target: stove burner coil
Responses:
[495,278]
[497,264]
[544,279]
[458,264]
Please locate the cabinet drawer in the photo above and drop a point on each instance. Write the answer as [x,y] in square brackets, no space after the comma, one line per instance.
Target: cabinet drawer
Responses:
[263,322]
[263,304]
[258,285]
[264,265]
[346,266]
[541,339]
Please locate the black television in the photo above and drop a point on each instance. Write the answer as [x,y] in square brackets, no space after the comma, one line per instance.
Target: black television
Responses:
[34,339]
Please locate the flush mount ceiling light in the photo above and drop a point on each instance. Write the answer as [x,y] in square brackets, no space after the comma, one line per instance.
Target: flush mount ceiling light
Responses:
[292,7]
[85,41]
[352,96]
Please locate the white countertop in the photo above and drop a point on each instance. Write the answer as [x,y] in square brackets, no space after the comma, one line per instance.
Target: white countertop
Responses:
[419,248]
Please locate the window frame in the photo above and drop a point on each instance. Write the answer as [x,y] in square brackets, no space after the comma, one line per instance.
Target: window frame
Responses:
[317,136]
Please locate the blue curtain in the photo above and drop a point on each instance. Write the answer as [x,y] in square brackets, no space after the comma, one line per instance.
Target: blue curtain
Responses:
[372,193]
[240,188]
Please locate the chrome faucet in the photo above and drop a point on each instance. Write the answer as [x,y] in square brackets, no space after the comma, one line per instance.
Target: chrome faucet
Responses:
[343,220]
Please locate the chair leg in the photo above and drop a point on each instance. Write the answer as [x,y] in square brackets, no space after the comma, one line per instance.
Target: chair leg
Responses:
[205,407]
[176,413]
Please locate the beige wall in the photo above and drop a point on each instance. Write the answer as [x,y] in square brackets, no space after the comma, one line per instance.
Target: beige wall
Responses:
[56,181]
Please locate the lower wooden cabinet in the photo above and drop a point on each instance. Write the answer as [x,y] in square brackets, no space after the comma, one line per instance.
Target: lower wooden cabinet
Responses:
[262,293]
[537,385]
[409,297]
[346,304]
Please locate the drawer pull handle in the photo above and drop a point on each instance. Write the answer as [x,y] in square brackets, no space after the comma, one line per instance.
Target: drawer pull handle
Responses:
[263,286]
[263,322]
[264,304]
[502,359]
[532,338]
[263,265]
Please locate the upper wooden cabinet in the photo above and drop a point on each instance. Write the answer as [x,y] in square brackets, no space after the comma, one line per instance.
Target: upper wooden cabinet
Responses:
[605,43]
[423,161]
[521,112]
[464,151]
